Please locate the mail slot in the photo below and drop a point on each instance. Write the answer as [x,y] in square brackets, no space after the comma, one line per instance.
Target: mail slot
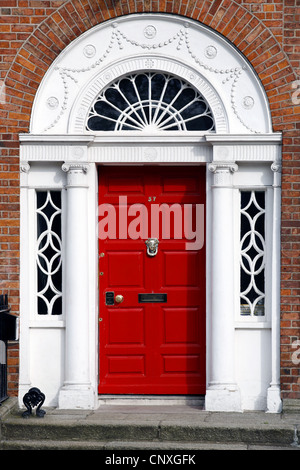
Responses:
[151,298]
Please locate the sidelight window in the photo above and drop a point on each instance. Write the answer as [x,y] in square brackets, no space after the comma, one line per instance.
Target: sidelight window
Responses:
[49,252]
[252,253]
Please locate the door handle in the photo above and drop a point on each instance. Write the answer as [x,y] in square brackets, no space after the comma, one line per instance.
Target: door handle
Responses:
[119,299]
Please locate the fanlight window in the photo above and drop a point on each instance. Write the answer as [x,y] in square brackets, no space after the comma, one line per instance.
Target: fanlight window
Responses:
[150,102]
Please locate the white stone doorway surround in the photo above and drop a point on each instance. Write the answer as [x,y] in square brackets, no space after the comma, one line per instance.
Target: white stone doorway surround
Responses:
[58,353]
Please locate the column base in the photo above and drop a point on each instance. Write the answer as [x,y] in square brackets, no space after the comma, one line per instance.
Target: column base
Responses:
[223,398]
[76,397]
[274,402]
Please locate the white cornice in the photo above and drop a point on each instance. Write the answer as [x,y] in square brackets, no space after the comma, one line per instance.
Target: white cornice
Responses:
[48,139]
[162,138]
[160,148]
[223,139]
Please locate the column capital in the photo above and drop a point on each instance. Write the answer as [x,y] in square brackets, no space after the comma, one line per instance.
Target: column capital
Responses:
[75,166]
[24,166]
[276,167]
[223,167]
[76,172]
[24,171]
[223,172]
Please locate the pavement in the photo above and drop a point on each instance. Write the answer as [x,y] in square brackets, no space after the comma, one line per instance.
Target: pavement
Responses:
[153,427]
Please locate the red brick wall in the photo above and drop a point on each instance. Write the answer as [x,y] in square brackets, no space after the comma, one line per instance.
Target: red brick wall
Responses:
[34,32]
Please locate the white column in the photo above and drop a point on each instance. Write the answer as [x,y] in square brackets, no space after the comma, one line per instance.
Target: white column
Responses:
[274,403]
[25,287]
[77,391]
[222,393]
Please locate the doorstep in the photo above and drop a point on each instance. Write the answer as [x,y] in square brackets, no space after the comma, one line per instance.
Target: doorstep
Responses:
[147,427]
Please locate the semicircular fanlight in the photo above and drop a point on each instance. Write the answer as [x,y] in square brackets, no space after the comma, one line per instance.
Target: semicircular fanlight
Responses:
[150,101]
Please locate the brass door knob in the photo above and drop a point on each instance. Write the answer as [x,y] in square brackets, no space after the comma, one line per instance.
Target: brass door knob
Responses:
[119,298]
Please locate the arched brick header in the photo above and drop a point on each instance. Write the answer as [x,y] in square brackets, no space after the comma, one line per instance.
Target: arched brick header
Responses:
[70,19]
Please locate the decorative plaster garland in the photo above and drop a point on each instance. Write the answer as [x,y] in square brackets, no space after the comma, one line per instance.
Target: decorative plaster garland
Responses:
[119,38]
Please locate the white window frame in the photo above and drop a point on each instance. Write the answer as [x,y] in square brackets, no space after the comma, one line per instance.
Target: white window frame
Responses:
[37,320]
[252,321]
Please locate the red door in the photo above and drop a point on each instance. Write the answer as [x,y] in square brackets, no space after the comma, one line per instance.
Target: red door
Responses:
[151,344]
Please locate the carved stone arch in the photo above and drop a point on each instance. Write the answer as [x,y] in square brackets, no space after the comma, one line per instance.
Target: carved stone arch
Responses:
[151,42]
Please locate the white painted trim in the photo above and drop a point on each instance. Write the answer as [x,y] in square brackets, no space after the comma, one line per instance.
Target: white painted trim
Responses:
[179,45]
[254,321]
[44,324]
[85,99]
[274,402]
[122,136]
[25,286]
[133,149]
[151,400]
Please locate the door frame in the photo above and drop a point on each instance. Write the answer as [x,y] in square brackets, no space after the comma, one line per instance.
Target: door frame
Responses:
[71,161]
[189,149]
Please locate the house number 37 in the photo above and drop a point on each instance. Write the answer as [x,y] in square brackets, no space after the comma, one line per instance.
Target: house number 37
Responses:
[151,198]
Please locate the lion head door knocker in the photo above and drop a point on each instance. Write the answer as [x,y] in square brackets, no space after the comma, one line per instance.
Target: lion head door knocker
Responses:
[31,399]
[152,246]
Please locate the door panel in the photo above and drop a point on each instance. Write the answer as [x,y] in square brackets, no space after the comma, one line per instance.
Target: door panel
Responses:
[118,365]
[181,325]
[151,348]
[181,268]
[118,272]
[126,326]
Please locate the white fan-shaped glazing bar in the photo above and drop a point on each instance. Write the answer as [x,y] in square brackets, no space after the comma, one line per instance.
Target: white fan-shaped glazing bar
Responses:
[153,100]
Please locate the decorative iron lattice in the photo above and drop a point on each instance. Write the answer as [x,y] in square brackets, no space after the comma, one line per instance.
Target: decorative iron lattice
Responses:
[150,102]
[252,259]
[49,250]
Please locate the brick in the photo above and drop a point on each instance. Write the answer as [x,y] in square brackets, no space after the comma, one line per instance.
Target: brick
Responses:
[32,33]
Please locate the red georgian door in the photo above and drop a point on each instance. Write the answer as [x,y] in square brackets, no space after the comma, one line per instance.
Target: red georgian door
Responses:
[150,344]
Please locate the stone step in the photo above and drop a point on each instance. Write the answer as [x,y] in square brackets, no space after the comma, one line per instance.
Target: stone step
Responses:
[35,430]
[147,427]
[153,446]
